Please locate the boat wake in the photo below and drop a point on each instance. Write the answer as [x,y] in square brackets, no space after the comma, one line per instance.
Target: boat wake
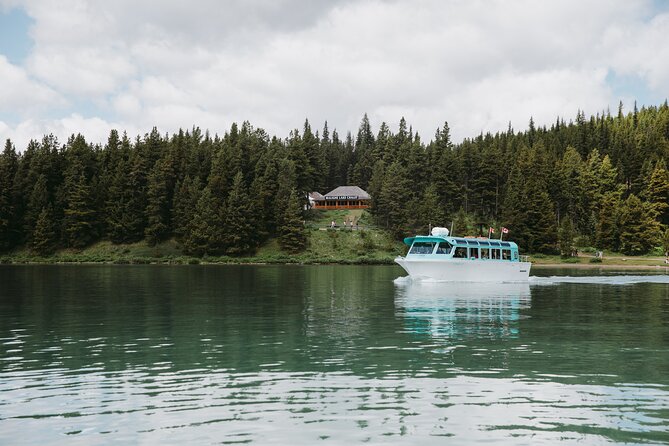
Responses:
[599,280]
[556,280]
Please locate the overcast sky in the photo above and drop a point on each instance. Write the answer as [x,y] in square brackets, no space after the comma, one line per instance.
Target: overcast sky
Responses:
[89,66]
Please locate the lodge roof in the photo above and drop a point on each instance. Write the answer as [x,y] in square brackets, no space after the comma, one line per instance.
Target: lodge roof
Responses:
[348,191]
[316,196]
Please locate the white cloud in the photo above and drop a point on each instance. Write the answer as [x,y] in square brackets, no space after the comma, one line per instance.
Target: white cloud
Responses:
[21,95]
[478,64]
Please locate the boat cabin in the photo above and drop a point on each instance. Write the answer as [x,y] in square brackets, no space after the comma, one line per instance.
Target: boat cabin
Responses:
[461,248]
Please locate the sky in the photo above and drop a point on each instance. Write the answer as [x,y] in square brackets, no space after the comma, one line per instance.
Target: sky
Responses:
[75,66]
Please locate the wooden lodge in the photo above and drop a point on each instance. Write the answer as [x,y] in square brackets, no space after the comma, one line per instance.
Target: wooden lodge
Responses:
[343,197]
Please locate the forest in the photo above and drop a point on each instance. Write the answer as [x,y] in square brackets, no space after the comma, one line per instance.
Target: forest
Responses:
[598,181]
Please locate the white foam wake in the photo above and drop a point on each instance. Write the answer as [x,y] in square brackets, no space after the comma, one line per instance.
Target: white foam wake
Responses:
[600,280]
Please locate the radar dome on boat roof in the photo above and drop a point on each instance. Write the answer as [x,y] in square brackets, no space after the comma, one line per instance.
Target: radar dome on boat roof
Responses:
[440,232]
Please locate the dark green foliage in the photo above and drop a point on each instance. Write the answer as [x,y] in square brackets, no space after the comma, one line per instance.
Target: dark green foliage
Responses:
[657,191]
[394,200]
[204,234]
[239,228]
[44,238]
[639,230]
[8,166]
[159,202]
[566,238]
[528,211]
[609,224]
[229,194]
[292,235]
[187,193]
[80,214]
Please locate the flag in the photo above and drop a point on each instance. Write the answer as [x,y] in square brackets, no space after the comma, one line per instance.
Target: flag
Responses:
[505,231]
[492,230]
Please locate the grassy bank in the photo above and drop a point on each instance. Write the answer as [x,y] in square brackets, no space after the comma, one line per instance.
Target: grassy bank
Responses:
[342,245]
[366,245]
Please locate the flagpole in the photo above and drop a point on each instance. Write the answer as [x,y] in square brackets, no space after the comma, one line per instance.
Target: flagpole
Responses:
[501,234]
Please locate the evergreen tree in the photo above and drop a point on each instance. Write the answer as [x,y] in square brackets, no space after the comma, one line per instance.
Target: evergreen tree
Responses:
[639,231]
[239,228]
[44,238]
[159,202]
[431,210]
[566,238]
[80,215]
[528,210]
[608,224]
[396,193]
[205,232]
[292,234]
[8,167]
[657,191]
[37,202]
[185,205]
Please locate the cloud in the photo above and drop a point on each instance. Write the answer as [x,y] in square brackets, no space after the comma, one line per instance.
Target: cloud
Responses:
[20,95]
[477,64]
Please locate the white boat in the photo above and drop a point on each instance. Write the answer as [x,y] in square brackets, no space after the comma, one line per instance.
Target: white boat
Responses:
[456,259]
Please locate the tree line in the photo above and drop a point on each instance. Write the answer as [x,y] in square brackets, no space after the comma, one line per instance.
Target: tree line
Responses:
[599,181]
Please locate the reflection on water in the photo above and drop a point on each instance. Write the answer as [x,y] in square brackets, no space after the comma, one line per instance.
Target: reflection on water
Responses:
[454,310]
[304,355]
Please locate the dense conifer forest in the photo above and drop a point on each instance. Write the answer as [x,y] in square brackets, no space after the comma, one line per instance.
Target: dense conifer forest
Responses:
[600,181]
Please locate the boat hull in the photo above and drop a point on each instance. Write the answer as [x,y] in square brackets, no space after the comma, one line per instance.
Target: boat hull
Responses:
[456,270]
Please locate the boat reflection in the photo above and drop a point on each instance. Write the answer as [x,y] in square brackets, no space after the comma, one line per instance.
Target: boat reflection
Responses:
[461,310]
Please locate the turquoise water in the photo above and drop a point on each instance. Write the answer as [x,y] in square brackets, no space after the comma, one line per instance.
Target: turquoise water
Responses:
[329,354]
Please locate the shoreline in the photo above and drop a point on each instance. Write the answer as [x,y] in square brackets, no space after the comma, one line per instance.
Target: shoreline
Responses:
[182,260]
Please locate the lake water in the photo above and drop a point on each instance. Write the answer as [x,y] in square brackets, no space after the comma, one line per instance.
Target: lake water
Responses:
[329,354]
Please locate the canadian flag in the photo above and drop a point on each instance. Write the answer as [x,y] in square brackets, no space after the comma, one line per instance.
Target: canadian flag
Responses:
[505,231]
[492,230]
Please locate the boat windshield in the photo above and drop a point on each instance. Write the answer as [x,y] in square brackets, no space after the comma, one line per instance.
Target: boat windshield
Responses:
[444,248]
[422,248]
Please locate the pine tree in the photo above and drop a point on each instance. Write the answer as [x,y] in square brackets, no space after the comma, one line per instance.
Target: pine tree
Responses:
[608,225]
[80,215]
[37,201]
[528,210]
[566,238]
[396,193]
[44,238]
[80,222]
[239,229]
[184,205]
[292,234]
[205,232]
[657,191]
[8,167]
[431,210]
[639,231]
[159,202]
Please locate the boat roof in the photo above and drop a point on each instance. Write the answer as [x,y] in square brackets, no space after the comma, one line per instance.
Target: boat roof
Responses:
[461,241]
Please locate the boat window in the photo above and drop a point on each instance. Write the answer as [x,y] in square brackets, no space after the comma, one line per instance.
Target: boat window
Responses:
[494,254]
[485,253]
[473,253]
[505,243]
[481,242]
[422,248]
[472,242]
[515,255]
[460,252]
[459,240]
[506,254]
[444,248]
